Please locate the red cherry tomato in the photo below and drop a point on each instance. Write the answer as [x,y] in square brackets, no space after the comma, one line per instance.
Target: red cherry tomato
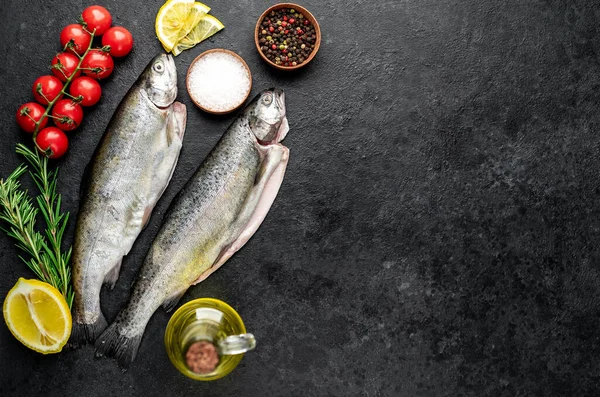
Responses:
[64,64]
[53,139]
[81,38]
[67,114]
[98,64]
[29,114]
[46,88]
[97,17]
[120,41]
[88,88]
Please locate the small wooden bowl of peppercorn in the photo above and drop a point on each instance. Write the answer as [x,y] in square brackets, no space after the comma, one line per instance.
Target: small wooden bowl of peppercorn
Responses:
[287,36]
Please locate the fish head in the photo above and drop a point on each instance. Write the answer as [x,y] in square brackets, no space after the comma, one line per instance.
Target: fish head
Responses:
[159,80]
[266,116]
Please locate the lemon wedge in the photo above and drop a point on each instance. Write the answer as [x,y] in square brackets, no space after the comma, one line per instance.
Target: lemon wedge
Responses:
[207,26]
[176,18]
[37,315]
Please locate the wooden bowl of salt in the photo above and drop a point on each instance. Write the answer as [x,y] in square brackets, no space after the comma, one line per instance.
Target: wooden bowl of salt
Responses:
[219,81]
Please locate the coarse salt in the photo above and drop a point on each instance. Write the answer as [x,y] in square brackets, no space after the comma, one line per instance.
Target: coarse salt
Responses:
[219,81]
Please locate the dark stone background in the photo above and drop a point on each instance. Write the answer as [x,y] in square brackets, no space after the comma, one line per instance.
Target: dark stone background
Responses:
[437,231]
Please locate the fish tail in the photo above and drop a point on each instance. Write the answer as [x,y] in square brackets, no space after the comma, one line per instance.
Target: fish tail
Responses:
[114,344]
[83,333]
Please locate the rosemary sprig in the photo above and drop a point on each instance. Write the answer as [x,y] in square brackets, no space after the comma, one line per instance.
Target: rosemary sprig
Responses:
[47,260]
[19,214]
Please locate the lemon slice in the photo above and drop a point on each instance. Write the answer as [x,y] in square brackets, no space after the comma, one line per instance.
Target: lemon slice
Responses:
[176,18]
[38,316]
[201,7]
[198,11]
[207,26]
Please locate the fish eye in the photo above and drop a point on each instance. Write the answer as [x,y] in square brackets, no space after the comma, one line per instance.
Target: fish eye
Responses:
[267,99]
[158,67]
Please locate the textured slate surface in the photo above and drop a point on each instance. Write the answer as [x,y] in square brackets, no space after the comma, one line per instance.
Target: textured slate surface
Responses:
[437,231]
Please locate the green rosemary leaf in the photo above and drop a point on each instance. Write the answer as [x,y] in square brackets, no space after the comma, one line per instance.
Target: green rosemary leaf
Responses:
[33,266]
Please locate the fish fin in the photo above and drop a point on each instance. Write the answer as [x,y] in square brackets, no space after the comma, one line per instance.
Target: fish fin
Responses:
[114,344]
[134,221]
[113,274]
[170,303]
[266,186]
[146,216]
[82,333]
[176,123]
[284,128]
[181,117]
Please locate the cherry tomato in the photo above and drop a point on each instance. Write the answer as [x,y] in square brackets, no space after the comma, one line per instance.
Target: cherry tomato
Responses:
[46,88]
[68,63]
[88,88]
[81,38]
[120,41]
[97,17]
[53,139]
[98,64]
[29,114]
[67,114]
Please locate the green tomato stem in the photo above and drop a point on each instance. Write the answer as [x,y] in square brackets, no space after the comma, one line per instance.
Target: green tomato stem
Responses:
[59,67]
[78,98]
[43,96]
[30,118]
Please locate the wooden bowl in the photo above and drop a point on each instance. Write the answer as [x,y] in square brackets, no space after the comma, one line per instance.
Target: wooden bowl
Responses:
[222,50]
[308,16]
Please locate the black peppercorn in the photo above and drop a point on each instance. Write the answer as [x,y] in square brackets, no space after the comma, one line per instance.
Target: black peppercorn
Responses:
[284,32]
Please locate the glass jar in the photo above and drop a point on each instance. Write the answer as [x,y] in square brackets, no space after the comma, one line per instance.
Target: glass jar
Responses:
[210,320]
